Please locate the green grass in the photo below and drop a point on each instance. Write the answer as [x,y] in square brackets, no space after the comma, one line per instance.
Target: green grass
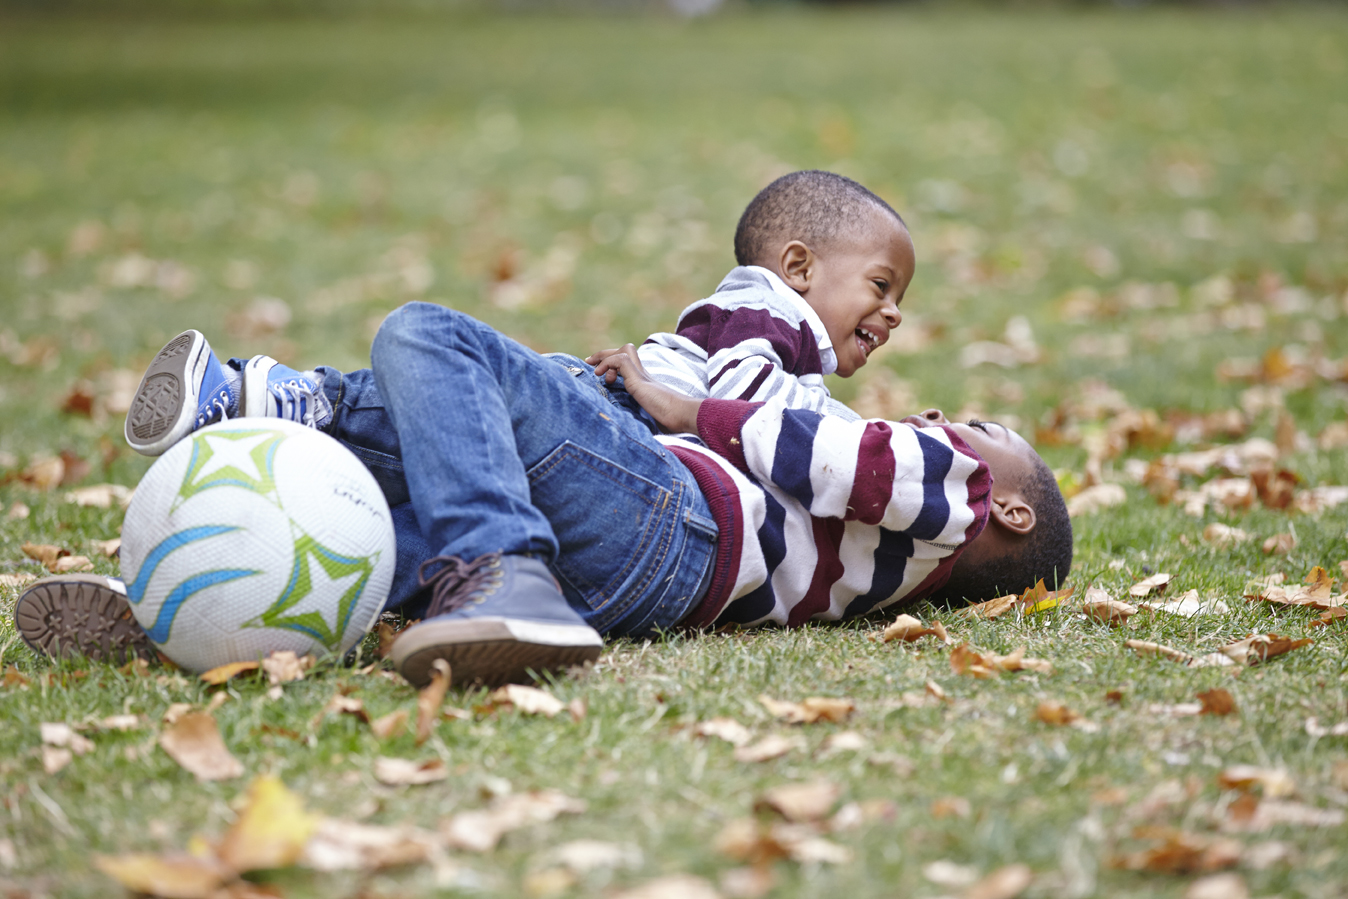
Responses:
[328,163]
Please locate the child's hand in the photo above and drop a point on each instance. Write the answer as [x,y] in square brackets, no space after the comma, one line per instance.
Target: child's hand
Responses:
[675,412]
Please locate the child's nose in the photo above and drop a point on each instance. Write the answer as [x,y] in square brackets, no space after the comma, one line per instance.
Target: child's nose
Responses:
[892,317]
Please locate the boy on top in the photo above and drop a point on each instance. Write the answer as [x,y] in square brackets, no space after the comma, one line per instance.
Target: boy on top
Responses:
[823,265]
[530,520]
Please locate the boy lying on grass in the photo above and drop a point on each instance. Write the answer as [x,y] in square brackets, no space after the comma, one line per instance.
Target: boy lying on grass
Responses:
[504,470]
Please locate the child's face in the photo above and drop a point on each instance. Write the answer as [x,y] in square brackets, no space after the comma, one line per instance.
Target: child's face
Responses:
[856,287]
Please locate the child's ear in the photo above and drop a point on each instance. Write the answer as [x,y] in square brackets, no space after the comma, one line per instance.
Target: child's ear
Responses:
[1014,514]
[797,266]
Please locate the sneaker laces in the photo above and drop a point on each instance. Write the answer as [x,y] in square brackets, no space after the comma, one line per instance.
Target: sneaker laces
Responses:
[217,410]
[455,584]
[295,401]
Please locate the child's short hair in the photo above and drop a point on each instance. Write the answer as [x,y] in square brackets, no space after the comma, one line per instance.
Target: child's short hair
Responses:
[1046,553]
[813,207]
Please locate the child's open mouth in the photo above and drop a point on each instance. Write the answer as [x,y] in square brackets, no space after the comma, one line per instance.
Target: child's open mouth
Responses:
[867,341]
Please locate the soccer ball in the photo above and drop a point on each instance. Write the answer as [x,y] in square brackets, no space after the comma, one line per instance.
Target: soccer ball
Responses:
[256,535]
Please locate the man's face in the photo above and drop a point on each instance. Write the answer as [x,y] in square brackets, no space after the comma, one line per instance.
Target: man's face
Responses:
[1010,458]
[856,287]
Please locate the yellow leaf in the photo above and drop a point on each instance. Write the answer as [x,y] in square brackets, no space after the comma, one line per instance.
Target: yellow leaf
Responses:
[167,876]
[222,673]
[271,830]
[194,742]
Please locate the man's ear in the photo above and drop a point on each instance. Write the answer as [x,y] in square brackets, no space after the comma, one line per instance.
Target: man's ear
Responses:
[1014,514]
[797,266]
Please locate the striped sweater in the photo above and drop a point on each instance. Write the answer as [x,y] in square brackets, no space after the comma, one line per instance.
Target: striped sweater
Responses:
[753,339]
[823,518]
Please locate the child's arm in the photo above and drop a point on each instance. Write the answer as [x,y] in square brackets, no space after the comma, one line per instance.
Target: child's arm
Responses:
[675,412]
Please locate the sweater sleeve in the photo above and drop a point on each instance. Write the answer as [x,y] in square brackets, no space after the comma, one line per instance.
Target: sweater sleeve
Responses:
[755,355]
[925,483]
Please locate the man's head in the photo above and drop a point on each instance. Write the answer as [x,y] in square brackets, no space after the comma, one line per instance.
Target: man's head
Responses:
[840,247]
[1028,536]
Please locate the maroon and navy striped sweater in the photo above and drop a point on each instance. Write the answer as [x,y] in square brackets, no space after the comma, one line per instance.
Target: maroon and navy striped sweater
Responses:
[825,518]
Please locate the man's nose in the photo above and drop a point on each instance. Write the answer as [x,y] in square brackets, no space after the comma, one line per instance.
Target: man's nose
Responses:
[928,418]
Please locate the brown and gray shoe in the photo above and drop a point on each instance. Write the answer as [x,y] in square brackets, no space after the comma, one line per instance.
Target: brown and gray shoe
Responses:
[81,615]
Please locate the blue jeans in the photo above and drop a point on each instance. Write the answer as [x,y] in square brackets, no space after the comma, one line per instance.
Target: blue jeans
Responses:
[482,445]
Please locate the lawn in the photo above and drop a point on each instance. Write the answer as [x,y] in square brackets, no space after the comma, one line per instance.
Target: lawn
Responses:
[1130,229]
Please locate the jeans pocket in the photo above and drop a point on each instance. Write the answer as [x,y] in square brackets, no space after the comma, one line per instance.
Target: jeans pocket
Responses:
[614,529]
[387,471]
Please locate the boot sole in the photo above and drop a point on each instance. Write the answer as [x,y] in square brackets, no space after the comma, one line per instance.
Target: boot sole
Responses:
[80,615]
[164,407]
[492,651]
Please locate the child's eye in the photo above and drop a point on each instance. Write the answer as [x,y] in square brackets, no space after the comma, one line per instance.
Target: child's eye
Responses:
[883,285]
[975,423]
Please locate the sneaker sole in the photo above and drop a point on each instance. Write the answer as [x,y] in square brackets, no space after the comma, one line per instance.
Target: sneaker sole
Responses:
[492,651]
[80,615]
[164,408]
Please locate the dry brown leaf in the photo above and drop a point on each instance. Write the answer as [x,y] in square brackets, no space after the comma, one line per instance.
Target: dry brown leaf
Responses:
[100,496]
[966,660]
[284,666]
[674,886]
[54,758]
[480,831]
[860,814]
[526,700]
[1222,536]
[1187,605]
[108,548]
[1101,607]
[1180,852]
[1271,813]
[1258,648]
[389,725]
[45,472]
[270,831]
[58,734]
[951,807]
[429,700]
[1145,648]
[1004,883]
[584,856]
[408,772]
[45,553]
[578,708]
[1274,783]
[772,746]
[1226,885]
[338,845]
[751,841]
[1157,583]
[1055,713]
[1280,544]
[22,579]
[179,876]
[907,628]
[808,801]
[1329,616]
[67,564]
[341,704]
[18,511]
[1095,498]
[175,711]
[221,673]
[387,635]
[1036,599]
[727,729]
[1217,702]
[749,882]
[992,608]
[845,741]
[810,710]
[194,742]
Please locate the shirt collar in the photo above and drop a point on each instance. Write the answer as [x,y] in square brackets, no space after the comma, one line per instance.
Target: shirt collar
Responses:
[828,359]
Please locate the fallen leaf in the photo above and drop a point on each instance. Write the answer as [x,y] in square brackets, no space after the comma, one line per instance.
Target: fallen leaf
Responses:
[749,882]
[992,608]
[966,660]
[845,741]
[1096,498]
[284,666]
[526,700]
[341,704]
[584,856]
[122,722]
[674,886]
[175,711]
[860,814]
[389,725]
[1004,883]
[108,548]
[58,734]
[21,579]
[908,629]
[54,758]
[45,553]
[1315,729]
[1271,813]
[270,831]
[1328,616]
[578,708]
[67,564]
[45,472]
[221,673]
[951,807]
[948,874]
[193,741]
[14,678]
[480,831]
[408,772]
[1188,605]
[545,883]
[1258,648]
[1055,713]
[748,840]
[1177,710]
[338,845]
[727,729]
[1274,783]
[1280,544]
[1217,702]
[770,747]
[1101,607]
[1156,583]
[1180,852]
[1222,536]
[1145,648]
[810,710]
[18,511]
[808,801]
[1227,885]
[100,496]
[430,698]
[178,876]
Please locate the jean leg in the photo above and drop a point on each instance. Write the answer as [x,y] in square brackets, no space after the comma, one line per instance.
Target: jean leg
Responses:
[506,451]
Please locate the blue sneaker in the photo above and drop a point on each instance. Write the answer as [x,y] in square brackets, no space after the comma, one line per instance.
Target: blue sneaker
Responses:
[273,390]
[184,388]
[81,615]
[497,619]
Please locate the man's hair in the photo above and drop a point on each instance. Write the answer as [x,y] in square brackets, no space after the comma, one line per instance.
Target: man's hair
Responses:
[813,207]
[1046,552]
